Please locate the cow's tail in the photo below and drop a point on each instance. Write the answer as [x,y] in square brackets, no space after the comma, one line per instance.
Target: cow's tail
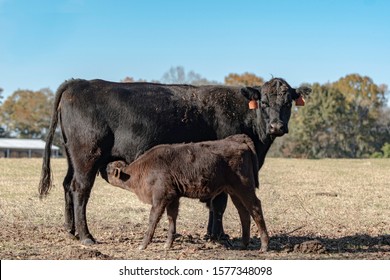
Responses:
[45,183]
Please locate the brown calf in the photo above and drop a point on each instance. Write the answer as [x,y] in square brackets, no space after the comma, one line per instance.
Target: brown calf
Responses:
[202,170]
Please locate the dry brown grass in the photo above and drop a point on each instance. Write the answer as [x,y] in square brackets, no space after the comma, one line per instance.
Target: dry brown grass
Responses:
[343,204]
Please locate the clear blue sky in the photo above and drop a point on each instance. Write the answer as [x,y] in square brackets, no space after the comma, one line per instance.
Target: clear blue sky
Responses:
[44,42]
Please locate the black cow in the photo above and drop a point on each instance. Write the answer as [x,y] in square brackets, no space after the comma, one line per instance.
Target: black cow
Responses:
[103,121]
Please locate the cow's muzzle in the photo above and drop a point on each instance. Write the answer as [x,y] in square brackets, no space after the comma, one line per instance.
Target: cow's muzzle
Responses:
[277,128]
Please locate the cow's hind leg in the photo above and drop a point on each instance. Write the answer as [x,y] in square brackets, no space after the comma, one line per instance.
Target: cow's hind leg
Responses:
[81,188]
[245,219]
[69,214]
[172,212]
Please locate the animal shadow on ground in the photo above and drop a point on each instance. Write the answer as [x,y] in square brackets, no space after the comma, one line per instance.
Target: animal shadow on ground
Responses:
[359,243]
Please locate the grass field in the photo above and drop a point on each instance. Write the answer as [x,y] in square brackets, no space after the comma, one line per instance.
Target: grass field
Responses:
[314,209]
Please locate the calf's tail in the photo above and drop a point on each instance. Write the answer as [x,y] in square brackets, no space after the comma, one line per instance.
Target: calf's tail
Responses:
[45,183]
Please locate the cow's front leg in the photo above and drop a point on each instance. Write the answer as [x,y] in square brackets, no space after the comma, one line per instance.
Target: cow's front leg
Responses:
[215,226]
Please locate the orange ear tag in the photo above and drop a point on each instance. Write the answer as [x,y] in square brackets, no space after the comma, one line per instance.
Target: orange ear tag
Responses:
[253,104]
[300,101]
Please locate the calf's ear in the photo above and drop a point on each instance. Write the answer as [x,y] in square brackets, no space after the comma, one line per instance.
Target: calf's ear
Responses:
[251,93]
[117,172]
[123,176]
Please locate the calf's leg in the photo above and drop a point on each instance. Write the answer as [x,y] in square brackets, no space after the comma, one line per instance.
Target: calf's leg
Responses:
[154,217]
[172,212]
[244,218]
[253,204]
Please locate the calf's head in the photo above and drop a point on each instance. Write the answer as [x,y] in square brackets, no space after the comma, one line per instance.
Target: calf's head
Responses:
[275,98]
[115,174]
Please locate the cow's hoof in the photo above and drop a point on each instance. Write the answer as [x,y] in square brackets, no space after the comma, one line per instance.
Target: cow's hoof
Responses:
[207,237]
[141,247]
[224,236]
[72,235]
[220,237]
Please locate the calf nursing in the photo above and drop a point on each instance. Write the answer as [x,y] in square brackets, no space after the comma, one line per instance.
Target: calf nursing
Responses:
[201,170]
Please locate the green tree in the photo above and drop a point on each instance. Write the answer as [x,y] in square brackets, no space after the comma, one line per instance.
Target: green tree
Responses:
[347,118]
[315,128]
[366,103]
[26,113]
[245,79]
[382,128]
[386,150]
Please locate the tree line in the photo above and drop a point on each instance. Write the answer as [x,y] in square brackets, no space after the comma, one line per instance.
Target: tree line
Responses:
[348,118]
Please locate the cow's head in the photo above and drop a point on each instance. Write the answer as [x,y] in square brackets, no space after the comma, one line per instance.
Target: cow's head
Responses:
[275,99]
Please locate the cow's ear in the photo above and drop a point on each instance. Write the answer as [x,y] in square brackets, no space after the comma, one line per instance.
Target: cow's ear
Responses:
[251,93]
[299,95]
[303,91]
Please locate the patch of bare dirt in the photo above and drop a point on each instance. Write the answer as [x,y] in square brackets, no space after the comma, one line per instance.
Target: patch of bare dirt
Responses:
[122,242]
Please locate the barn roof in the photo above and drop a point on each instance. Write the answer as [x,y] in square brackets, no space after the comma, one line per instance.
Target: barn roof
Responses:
[24,144]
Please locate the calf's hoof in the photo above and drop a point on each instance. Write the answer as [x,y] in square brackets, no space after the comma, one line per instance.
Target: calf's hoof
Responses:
[142,247]
[88,241]
[263,249]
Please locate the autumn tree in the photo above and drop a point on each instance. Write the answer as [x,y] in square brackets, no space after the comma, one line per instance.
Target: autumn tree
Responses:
[26,113]
[245,79]
[362,91]
[129,79]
